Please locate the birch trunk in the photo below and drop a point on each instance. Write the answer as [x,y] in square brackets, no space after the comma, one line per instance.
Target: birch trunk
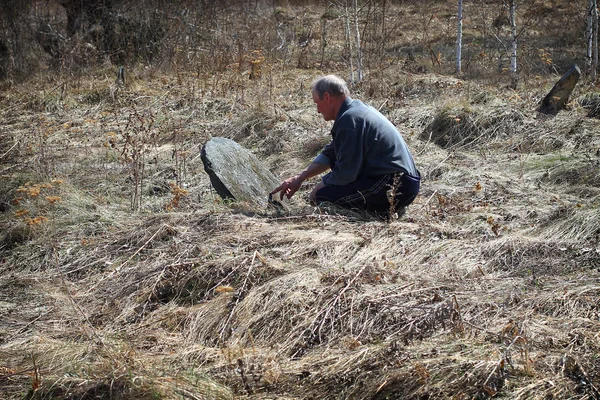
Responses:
[589,37]
[513,55]
[459,38]
[349,44]
[594,40]
[382,47]
[359,70]
[323,40]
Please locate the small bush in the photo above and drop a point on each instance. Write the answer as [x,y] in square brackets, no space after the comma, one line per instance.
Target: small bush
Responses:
[591,103]
[15,235]
[451,128]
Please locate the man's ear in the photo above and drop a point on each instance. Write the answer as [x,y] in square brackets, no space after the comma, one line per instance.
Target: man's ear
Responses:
[326,96]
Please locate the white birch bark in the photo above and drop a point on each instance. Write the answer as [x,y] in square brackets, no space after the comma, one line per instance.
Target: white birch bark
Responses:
[359,69]
[594,41]
[459,38]
[349,43]
[323,40]
[513,54]
[589,29]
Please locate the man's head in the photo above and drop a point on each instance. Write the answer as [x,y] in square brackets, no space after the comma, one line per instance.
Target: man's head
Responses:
[329,92]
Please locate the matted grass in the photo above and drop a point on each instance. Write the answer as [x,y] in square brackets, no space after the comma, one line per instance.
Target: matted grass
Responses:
[488,286]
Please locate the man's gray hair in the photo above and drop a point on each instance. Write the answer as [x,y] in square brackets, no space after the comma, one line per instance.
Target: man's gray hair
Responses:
[334,85]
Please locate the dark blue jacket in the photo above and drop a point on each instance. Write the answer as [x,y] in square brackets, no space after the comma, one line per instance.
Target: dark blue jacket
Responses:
[365,144]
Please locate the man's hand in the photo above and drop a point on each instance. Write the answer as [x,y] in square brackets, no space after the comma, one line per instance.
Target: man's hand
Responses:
[291,185]
[288,187]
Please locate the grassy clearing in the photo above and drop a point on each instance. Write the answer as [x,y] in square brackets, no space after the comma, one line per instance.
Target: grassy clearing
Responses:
[113,284]
[488,285]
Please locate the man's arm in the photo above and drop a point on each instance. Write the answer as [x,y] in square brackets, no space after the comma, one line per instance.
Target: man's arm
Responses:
[349,154]
[291,185]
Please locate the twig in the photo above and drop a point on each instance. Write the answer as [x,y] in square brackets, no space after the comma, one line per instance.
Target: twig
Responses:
[481,270]
[351,315]
[222,280]
[428,200]
[116,270]
[326,311]
[406,293]
[36,375]
[479,328]
[9,167]
[9,150]
[502,360]
[239,295]
[426,144]
[243,375]
[157,100]
[382,104]
[381,386]
[156,282]
[461,326]
[444,160]
[310,216]
[504,357]
[286,113]
[335,301]
[26,371]
[22,329]
[366,313]
[80,310]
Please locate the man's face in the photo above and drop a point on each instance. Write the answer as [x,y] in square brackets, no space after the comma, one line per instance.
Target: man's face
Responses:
[324,105]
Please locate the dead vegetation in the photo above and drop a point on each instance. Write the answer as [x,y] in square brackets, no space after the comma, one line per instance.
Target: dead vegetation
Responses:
[123,275]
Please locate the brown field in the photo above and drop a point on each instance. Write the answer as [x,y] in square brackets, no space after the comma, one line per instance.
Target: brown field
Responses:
[123,275]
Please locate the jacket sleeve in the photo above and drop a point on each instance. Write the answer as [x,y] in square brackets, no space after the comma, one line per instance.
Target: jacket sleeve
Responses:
[326,156]
[349,155]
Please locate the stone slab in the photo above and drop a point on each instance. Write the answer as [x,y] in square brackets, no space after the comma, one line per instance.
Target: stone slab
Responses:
[236,173]
[558,97]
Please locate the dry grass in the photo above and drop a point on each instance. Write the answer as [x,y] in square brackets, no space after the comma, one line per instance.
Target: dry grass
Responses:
[488,287]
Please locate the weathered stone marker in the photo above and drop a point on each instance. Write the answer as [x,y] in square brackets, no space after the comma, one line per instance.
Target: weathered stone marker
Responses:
[558,97]
[236,173]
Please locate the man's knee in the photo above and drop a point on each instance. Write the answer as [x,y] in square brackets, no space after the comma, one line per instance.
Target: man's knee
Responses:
[320,195]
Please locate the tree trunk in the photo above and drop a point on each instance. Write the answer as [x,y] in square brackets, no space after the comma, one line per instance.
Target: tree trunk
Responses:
[383,33]
[594,40]
[349,44]
[323,40]
[359,65]
[589,30]
[513,55]
[459,38]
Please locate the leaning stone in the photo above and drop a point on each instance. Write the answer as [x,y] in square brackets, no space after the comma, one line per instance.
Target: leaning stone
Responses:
[236,173]
[558,97]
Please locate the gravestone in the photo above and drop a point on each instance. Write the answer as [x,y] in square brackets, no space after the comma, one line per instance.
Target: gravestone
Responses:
[558,97]
[236,173]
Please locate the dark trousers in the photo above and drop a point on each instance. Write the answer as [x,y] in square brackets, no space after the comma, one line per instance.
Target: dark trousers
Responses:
[373,194]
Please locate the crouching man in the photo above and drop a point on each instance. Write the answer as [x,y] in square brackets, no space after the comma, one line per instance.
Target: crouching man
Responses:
[371,166]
